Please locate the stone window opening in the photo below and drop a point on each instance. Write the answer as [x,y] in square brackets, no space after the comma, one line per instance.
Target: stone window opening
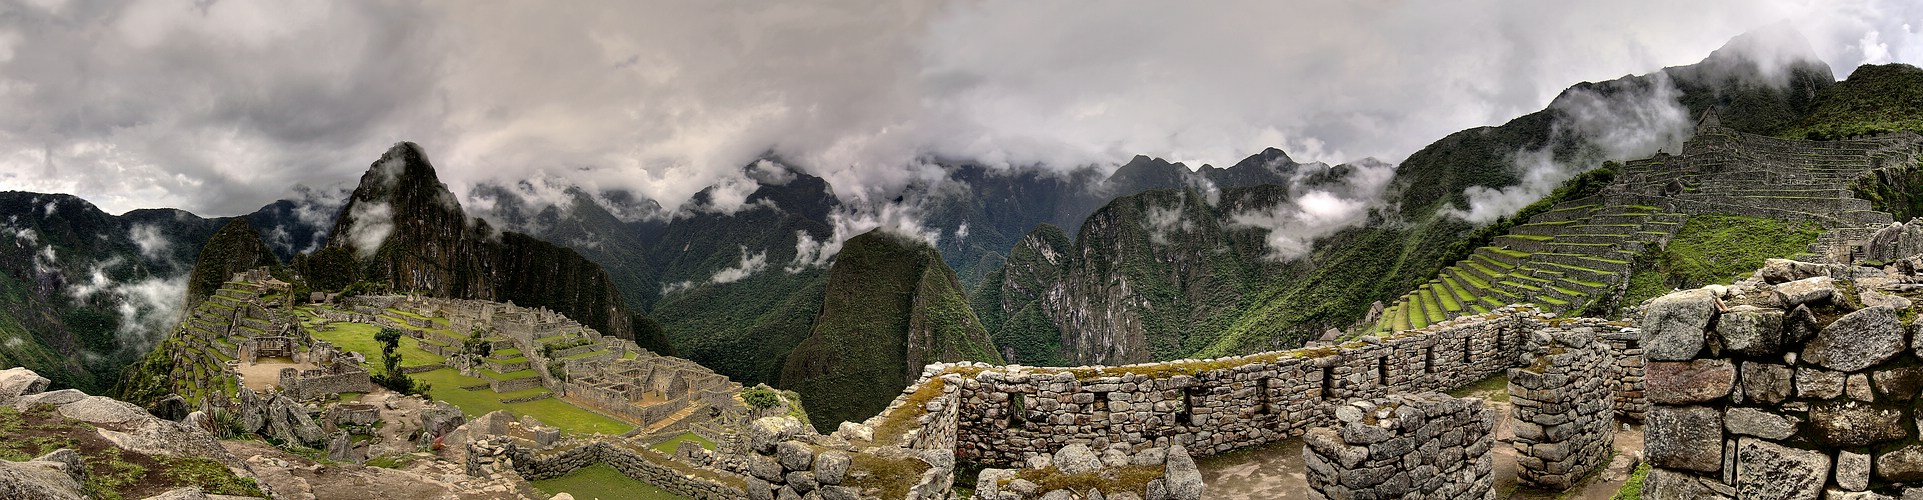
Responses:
[1101,402]
[1189,396]
[1015,410]
[1429,360]
[1262,397]
[1466,350]
[1382,370]
[1328,382]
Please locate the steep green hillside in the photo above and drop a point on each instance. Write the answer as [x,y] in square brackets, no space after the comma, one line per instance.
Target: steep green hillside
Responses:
[890,307]
[1008,301]
[236,247]
[1876,99]
[1715,249]
[1403,244]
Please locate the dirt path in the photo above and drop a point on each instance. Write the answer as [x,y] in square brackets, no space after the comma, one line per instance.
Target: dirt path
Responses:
[1275,471]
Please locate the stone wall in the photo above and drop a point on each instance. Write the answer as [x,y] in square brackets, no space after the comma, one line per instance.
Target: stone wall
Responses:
[493,456]
[1563,405]
[340,377]
[1213,406]
[1626,345]
[1784,386]
[1425,445]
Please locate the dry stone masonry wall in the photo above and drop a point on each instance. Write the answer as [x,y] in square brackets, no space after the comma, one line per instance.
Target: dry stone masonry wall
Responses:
[1563,403]
[1793,384]
[1415,446]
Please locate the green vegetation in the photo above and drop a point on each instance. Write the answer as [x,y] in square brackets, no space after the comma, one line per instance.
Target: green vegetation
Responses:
[761,397]
[667,447]
[392,461]
[1895,189]
[603,482]
[883,291]
[209,475]
[1876,99]
[1581,186]
[1712,249]
[236,247]
[392,377]
[1633,488]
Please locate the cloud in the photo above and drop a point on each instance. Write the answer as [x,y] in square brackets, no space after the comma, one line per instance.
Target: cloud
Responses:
[1632,123]
[1164,221]
[218,107]
[151,243]
[750,264]
[372,223]
[1315,211]
[145,308]
[851,220]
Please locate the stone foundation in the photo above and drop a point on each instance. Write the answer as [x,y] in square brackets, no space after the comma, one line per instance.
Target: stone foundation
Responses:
[1417,446]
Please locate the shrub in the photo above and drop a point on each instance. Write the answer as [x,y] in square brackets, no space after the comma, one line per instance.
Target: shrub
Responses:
[761,397]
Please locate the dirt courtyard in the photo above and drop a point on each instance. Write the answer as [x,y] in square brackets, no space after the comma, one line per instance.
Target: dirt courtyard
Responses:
[266,373]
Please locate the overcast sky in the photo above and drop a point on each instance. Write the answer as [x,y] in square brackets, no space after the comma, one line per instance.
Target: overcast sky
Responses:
[221,106]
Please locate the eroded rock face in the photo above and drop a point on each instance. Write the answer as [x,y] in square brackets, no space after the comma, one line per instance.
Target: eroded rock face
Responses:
[1785,270]
[1858,340]
[1184,479]
[48,477]
[16,382]
[1775,471]
[1685,438]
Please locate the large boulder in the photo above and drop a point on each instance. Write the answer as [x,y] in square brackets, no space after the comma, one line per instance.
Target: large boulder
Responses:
[439,418]
[173,407]
[1858,340]
[1849,424]
[766,432]
[42,478]
[1806,291]
[1751,330]
[1670,382]
[1784,270]
[289,422]
[1077,459]
[18,381]
[1673,325]
[341,448]
[1770,470]
[1685,438]
[1670,485]
[1184,479]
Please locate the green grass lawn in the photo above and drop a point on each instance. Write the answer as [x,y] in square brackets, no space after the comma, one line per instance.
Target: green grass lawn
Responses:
[447,384]
[603,482]
[669,445]
[359,338]
[569,418]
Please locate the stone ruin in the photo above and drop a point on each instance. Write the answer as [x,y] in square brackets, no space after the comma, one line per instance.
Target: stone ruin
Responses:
[1800,383]
[1417,446]
[336,374]
[652,390]
[252,349]
[1563,401]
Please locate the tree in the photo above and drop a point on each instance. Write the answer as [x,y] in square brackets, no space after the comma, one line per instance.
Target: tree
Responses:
[393,378]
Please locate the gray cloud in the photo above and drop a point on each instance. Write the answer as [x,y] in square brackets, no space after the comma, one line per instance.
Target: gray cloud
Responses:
[219,107]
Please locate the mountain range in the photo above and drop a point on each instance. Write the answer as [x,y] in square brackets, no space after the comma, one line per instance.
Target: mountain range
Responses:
[1149,260]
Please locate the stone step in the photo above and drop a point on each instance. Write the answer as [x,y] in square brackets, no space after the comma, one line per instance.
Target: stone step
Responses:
[1584,261]
[1508,258]
[1522,243]
[1592,238]
[1543,228]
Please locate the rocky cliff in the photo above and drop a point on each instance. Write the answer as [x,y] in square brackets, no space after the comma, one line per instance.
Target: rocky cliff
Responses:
[408,233]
